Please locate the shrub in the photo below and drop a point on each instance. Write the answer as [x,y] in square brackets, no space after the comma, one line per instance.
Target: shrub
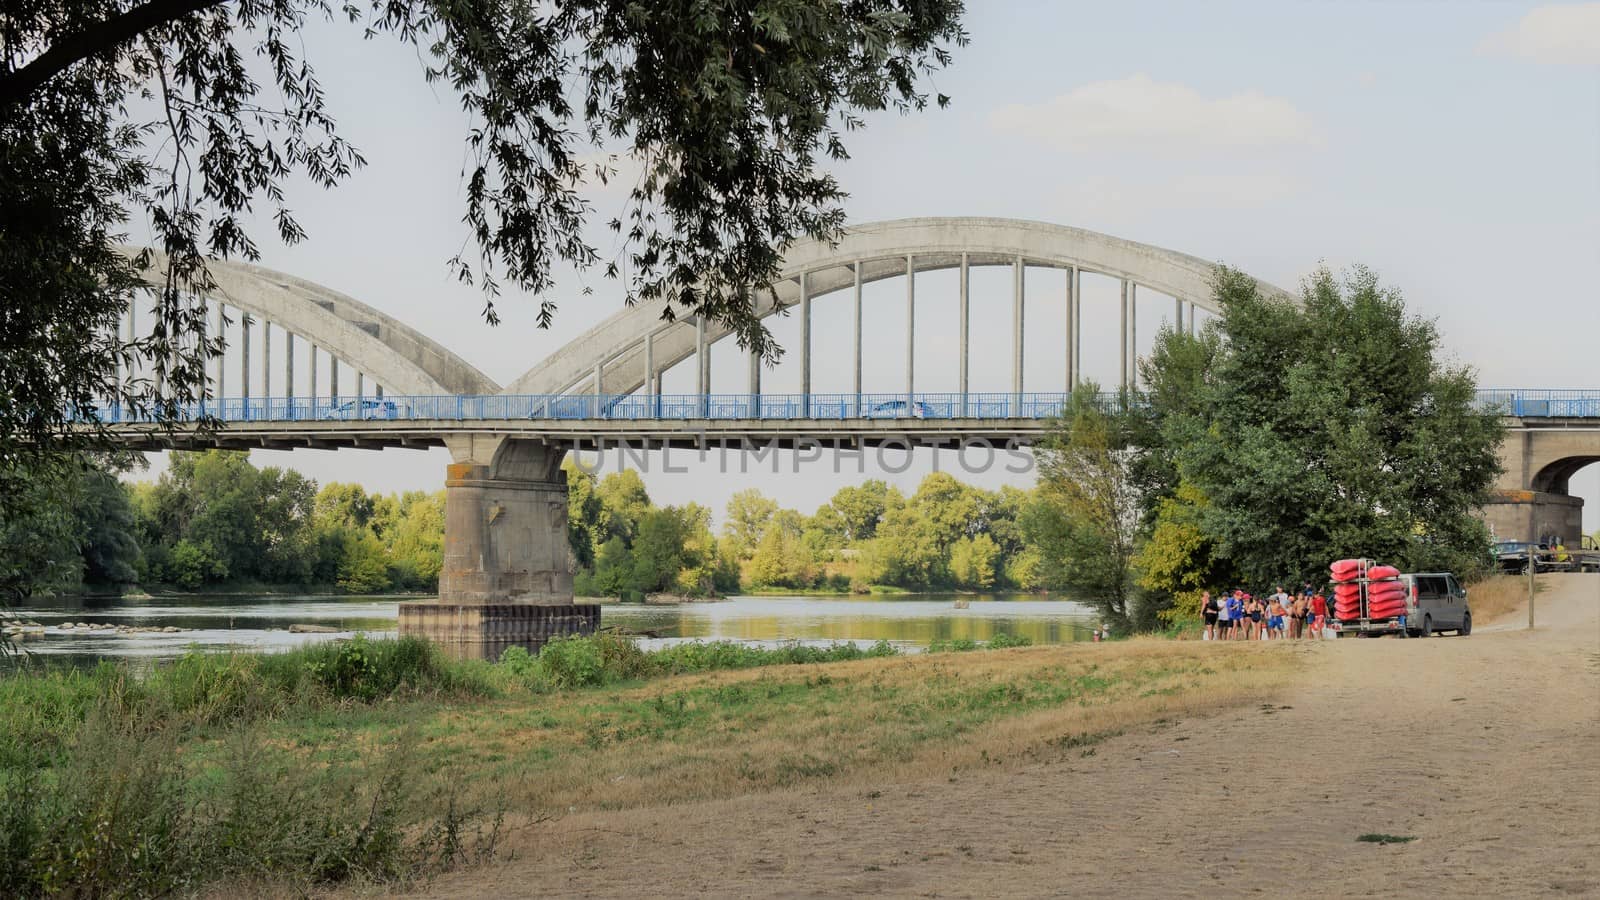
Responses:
[572,662]
[1002,641]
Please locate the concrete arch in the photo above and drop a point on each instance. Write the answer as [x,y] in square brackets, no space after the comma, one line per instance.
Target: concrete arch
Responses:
[1556,476]
[881,249]
[396,355]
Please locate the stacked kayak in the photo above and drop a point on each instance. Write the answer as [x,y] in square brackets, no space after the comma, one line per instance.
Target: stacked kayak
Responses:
[1385,592]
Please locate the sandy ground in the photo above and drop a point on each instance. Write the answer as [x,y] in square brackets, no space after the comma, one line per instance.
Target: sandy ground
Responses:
[1486,749]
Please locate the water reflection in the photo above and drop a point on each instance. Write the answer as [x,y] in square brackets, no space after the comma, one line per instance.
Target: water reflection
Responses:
[915,622]
[209,623]
[261,623]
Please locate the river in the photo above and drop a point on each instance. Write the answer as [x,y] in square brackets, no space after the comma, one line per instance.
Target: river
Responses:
[263,622]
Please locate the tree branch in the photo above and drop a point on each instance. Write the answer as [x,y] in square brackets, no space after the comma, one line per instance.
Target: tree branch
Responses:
[16,86]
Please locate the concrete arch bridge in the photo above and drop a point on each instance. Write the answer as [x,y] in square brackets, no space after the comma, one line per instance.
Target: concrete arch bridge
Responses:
[312,367]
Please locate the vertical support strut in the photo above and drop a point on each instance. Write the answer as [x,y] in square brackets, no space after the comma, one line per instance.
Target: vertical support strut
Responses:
[361,387]
[1072,310]
[1133,335]
[753,360]
[222,358]
[288,369]
[650,364]
[857,321]
[1077,328]
[244,362]
[266,363]
[966,324]
[333,377]
[1123,372]
[911,327]
[1018,305]
[702,359]
[313,391]
[805,345]
[1177,315]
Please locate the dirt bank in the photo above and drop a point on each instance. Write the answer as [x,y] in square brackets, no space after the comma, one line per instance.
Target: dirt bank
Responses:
[1486,749]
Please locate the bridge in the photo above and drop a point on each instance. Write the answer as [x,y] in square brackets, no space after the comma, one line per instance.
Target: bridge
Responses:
[344,374]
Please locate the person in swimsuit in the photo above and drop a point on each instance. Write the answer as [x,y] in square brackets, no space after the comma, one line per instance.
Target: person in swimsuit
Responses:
[1254,610]
[1208,613]
[1275,614]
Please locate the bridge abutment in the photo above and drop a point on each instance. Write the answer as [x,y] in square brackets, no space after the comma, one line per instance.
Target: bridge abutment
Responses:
[507,575]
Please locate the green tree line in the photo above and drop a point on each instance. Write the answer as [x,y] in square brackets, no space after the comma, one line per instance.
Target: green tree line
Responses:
[211,519]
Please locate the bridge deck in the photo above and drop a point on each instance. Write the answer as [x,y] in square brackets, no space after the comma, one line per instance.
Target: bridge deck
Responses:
[683,420]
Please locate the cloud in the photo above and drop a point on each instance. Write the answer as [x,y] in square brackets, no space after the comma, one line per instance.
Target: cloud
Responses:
[1560,34]
[1116,201]
[1140,113]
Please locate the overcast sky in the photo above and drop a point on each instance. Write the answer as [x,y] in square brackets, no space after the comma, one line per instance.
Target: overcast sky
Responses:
[1453,147]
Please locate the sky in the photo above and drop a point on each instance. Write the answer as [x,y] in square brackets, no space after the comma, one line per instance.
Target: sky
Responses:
[1453,147]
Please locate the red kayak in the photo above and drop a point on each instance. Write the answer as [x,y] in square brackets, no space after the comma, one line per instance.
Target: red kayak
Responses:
[1346,569]
[1378,572]
[1386,608]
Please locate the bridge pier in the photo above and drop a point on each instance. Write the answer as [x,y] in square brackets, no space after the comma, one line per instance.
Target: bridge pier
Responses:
[507,576]
[1534,515]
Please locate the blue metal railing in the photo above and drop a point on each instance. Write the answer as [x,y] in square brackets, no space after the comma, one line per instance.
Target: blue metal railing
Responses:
[685,407]
[1555,404]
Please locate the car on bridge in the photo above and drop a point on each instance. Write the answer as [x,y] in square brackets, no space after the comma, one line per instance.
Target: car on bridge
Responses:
[900,409]
[363,409]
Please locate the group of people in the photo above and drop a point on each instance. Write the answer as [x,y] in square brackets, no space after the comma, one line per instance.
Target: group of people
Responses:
[1238,616]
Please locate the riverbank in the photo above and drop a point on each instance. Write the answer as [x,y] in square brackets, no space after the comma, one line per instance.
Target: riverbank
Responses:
[460,747]
[1502,804]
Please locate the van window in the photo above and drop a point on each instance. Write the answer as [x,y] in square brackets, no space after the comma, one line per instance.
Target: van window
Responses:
[1431,585]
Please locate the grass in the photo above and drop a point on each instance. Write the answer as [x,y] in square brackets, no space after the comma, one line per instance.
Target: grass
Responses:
[1499,596]
[381,761]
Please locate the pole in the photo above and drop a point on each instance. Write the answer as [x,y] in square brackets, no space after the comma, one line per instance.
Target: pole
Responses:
[1533,566]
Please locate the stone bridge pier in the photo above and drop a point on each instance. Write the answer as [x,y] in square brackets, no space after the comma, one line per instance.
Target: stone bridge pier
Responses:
[507,576]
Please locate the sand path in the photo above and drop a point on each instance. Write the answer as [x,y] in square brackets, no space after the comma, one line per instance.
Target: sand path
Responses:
[1486,749]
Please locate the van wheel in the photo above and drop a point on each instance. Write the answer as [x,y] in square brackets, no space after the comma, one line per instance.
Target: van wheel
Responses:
[1466,625]
[1427,627]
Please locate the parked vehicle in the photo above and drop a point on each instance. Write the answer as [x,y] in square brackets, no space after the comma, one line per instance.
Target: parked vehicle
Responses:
[899,409]
[1435,601]
[365,408]
[1512,556]
[1438,602]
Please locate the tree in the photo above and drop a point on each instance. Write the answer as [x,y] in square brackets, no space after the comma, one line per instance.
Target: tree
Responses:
[861,508]
[149,106]
[1086,523]
[106,522]
[749,512]
[416,541]
[972,561]
[1334,430]
[1179,562]
[623,503]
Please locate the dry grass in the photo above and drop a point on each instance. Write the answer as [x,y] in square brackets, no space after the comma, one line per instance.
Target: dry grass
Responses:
[1498,597]
[727,734]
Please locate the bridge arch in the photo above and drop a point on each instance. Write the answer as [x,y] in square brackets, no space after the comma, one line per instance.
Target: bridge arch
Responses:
[394,354]
[637,339]
[1556,476]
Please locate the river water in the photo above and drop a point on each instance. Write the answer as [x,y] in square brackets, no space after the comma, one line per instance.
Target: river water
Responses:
[262,623]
